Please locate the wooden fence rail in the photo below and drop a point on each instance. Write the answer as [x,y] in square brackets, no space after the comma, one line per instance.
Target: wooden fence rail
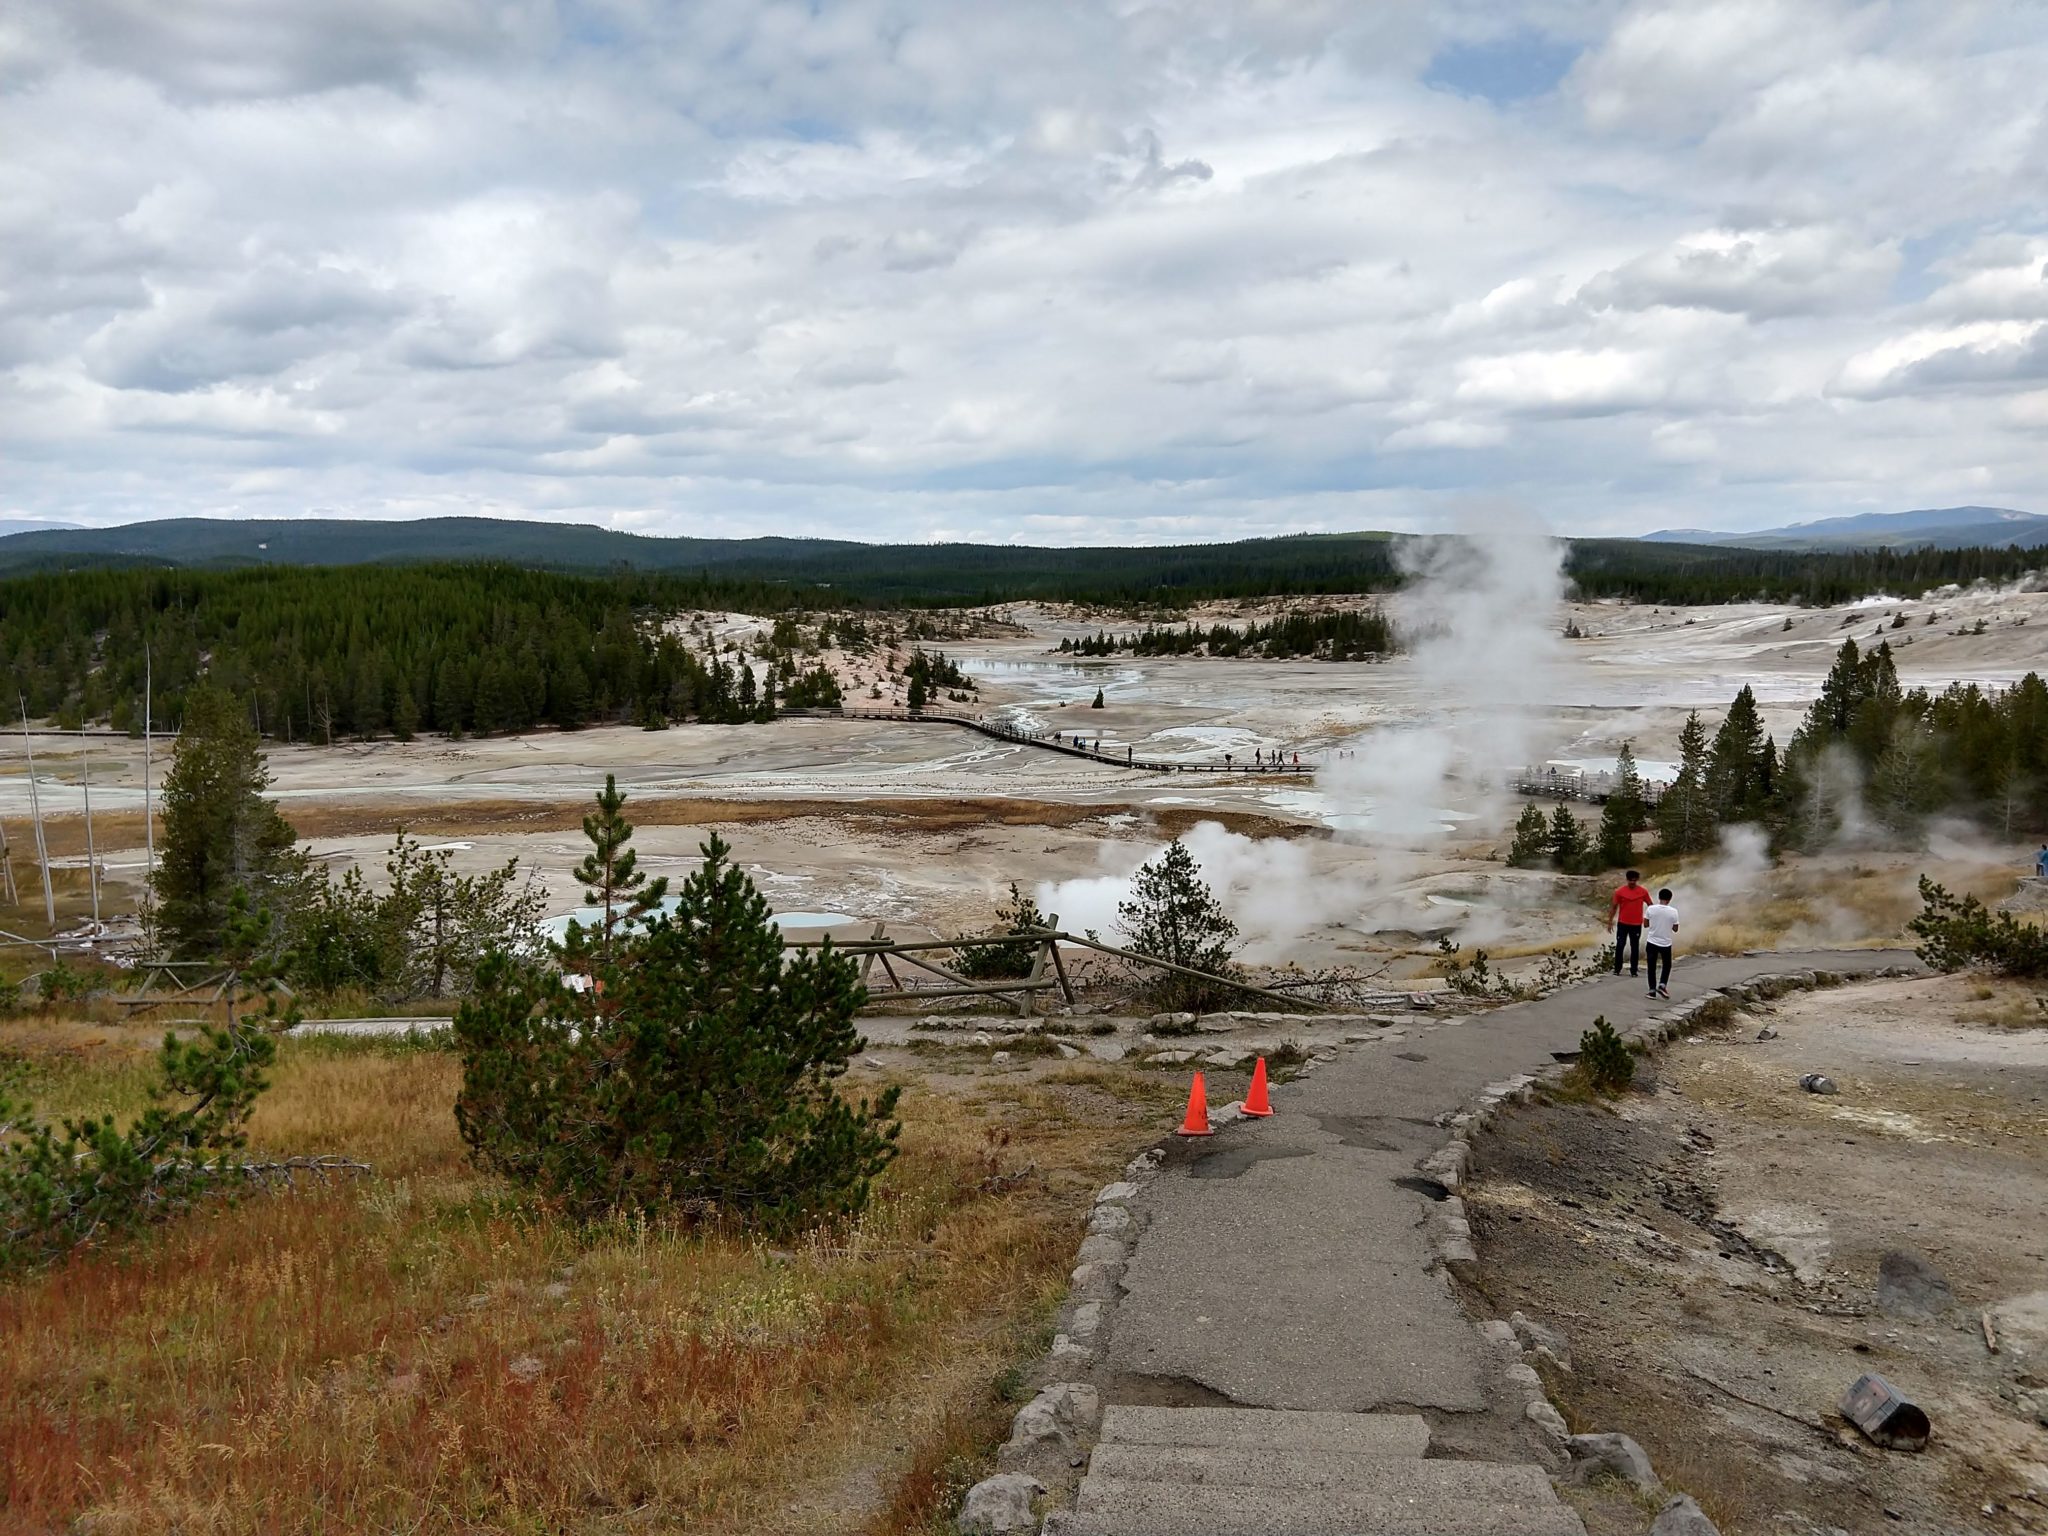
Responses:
[1048,971]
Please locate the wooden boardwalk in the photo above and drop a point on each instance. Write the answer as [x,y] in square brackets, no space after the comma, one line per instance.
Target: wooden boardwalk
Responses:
[1055,742]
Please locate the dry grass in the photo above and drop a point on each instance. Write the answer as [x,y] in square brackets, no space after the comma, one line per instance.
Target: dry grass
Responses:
[1574,943]
[2013,1005]
[1811,903]
[418,1351]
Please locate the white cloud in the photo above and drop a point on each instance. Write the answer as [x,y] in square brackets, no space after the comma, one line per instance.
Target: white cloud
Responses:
[1060,271]
[1984,351]
[1568,381]
[2002,276]
[1675,68]
[1760,273]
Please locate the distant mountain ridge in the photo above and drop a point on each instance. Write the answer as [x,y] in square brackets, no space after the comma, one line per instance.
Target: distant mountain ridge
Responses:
[216,541]
[1928,528]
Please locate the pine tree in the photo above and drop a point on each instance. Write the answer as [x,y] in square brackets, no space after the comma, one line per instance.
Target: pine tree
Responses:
[367,705]
[453,690]
[1906,783]
[1172,915]
[697,1073]
[612,878]
[1840,692]
[1531,849]
[1859,699]
[1739,765]
[219,833]
[1568,848]
[1685,821]
[1625,811]
[497,694]
[569,694]
[405,715]
[1098,704]
[529,681]
[917,692]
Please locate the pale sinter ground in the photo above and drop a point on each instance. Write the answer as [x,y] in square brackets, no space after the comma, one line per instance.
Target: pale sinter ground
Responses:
[1344,896]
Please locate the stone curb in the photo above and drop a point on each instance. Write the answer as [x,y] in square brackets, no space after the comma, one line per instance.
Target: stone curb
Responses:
[1049,1435]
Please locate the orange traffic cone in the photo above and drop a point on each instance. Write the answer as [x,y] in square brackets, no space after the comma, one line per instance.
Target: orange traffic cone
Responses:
[1255,1100]
[1197,1121]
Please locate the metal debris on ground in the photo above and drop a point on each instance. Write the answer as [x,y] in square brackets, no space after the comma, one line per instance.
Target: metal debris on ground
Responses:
[1885,1415]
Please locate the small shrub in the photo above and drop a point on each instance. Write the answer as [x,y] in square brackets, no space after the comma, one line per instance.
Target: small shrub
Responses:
[994,962]
[1957,931]
[67,1184]
[1475,977]
[1562,967]
[64,983]
[1605,1059]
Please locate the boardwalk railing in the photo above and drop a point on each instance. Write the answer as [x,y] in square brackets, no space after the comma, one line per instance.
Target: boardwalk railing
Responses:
[1554,781]
[1054,741]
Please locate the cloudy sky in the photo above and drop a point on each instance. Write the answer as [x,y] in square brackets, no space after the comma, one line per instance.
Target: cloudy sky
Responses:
[1054,272]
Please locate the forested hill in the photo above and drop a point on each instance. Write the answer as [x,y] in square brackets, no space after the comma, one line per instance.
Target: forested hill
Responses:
[370,650]
[923,574]
[1697,573]
[951,574]
[359,649]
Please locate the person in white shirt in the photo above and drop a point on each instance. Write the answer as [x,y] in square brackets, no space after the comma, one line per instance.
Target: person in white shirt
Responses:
[1660,934]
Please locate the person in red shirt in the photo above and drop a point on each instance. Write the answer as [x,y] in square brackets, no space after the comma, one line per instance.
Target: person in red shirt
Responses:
[1625,919]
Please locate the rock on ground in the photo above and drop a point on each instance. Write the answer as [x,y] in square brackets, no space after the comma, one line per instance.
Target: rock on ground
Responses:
[1000,1506]
[1054,1421]
[1616,1454]
[1541,1338]
[1682,1517]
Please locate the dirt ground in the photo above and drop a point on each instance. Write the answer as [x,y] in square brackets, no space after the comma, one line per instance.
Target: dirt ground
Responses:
[1711,1242]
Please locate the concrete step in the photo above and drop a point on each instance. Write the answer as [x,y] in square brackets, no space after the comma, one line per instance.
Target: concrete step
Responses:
[1391,1498]
[1349,1434]
[1226,1467]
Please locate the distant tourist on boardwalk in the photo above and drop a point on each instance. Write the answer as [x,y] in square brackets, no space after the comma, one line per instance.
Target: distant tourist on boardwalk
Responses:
[1625,918]
[2041,863]
[1660,936]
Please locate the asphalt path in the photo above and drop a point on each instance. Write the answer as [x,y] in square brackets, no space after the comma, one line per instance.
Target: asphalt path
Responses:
[1286,1264]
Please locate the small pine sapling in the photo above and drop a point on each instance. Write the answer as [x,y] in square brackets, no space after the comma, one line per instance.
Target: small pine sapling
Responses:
[1605,1058]
[612,879]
